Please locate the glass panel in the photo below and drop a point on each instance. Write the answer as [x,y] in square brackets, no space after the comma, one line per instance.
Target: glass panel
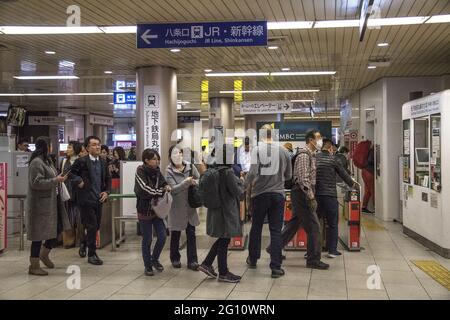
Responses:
[406,151]
[435,161]
[421,152]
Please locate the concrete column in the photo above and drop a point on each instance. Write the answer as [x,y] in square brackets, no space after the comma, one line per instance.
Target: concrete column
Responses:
[222,115]
[156,87]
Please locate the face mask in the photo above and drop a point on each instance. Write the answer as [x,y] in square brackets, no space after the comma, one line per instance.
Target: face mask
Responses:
[319,144]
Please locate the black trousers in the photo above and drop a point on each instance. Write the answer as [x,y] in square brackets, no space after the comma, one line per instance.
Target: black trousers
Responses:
[36,247]
[191,248]
[219,249]
[91,218]
[310,221]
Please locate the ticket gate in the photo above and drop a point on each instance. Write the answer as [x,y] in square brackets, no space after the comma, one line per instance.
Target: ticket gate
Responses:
[299,241]
[350,218]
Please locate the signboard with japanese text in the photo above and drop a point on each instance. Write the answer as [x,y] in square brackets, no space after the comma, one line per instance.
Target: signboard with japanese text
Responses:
[291,131]
[152,118]
[124,97]
[425,108]
[270,107]
[46,121]
[101,120]
[209,34]
[3,205]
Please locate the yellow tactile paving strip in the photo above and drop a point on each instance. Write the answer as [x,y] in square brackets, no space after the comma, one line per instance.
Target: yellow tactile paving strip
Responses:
[371,225]
[435,271]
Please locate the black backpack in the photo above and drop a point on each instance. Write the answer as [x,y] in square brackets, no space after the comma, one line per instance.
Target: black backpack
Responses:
[288,184]
[209,188]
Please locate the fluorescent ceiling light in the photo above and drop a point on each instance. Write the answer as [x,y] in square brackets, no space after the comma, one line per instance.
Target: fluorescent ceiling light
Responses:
[55,94]
[371,67]
[175,50]
[190,111]
[237,74]
[396,21]
[108,72]
[285,69]
[383,44]
[245,91]
[45,77]
[50,52]
[207,70]
[119,29]
[272,47]
[443,18]
[294,90]
[303,100]
[336,24]
[302,73]
[48,30]
[289,25]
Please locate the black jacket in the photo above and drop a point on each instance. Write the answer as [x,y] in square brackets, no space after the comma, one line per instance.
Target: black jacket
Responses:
[327,168]
[146,189]
[342,160]
[82,170]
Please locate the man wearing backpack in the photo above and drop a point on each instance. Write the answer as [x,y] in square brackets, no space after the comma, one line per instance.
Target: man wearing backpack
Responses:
[271,167]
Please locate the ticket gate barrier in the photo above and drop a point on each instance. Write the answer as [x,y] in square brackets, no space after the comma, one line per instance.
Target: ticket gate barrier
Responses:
[299,241]
[350,218]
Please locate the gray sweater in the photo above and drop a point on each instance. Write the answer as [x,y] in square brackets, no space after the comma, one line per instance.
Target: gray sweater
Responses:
[271,166]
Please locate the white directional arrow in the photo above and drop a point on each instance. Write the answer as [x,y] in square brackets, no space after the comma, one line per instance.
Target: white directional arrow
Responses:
[147,36]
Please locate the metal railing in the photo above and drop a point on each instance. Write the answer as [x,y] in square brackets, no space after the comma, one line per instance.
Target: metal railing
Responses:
[20,217]
[120,218]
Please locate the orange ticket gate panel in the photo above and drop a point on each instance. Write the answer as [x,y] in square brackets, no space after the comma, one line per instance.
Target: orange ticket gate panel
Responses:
[299,241]
[350,220]
[240,243]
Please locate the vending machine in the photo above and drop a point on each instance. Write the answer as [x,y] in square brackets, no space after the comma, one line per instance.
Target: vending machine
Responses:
[3,205]
[426,173]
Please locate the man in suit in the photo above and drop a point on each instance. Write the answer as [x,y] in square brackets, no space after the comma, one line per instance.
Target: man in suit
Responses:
[92,181]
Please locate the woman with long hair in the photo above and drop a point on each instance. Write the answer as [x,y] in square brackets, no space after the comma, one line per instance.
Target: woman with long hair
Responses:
[45,216]
[118,155]
[72,152]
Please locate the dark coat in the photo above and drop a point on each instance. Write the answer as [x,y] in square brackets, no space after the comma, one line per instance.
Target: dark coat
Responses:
[82,170]
[149,184]
[225,222]
[43,204]
[327,168]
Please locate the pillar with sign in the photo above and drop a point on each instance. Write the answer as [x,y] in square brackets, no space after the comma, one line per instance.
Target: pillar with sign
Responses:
[156,110]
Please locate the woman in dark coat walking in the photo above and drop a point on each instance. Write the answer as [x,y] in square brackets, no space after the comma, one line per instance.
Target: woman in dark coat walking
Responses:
[224,222]
[46,217]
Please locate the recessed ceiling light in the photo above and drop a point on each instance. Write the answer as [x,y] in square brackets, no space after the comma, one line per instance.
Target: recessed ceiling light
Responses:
[108,72]
[285,69]
[45,77]
[175,50]
[383,44]
[272,47]
[244,91]
[302,73]
[50,52]
[371,67]
[237,74]
[289,25]
[303,100]
[336,24]
[207,70]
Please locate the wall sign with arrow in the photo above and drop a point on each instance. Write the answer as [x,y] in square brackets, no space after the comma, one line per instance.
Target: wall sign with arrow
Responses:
[268,107]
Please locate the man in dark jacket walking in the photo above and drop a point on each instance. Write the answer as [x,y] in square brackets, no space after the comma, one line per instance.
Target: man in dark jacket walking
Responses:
[92,181]
[326,194]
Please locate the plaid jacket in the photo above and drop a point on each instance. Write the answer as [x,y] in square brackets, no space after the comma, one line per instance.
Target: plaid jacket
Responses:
[305,171]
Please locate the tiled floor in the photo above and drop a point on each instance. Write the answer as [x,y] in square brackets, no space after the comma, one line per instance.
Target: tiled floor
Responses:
[121,277]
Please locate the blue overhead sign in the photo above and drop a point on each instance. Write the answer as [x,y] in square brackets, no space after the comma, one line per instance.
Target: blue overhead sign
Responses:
[210,34]
[124,97]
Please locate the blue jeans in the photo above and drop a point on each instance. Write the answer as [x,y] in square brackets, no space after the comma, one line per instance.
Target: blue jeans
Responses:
[147,235]
[272,206]
[328,207]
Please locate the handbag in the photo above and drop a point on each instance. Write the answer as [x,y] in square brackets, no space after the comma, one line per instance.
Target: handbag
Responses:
[194,198]
[161,206]
[65,195]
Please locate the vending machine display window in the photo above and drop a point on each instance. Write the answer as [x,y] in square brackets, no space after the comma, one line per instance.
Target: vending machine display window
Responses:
[435,161]
[421,152]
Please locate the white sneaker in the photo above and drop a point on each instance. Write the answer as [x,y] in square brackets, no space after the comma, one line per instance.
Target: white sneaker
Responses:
[334,255]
